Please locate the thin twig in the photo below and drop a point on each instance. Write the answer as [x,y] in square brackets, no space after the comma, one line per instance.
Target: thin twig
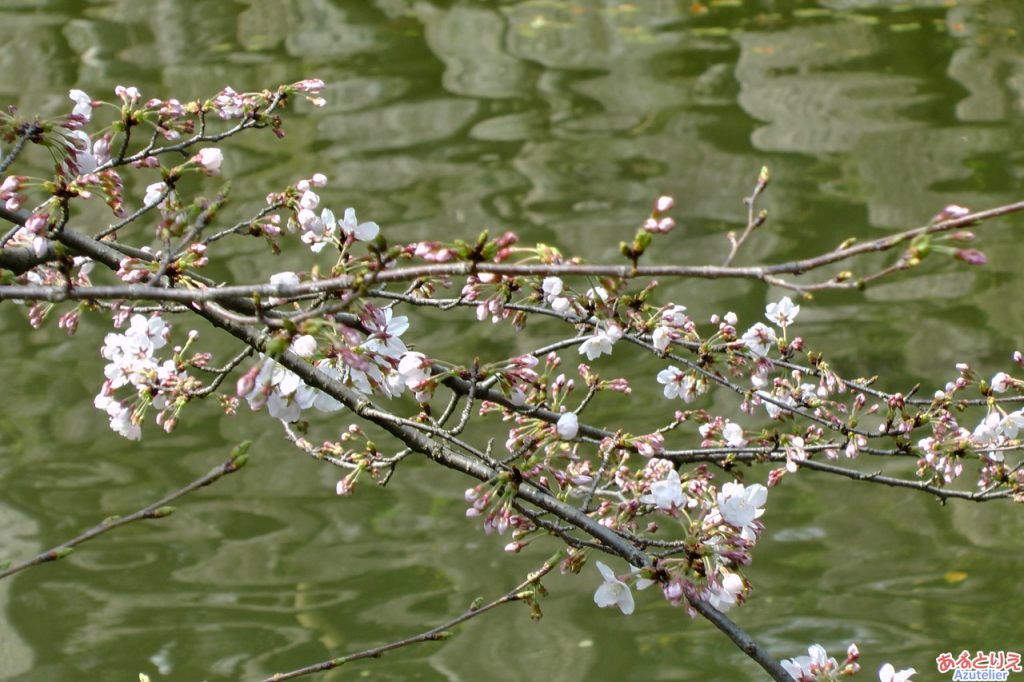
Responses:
[348,281]
[157,510]
[524,591]
[753,220]
[13,154]
[222,372]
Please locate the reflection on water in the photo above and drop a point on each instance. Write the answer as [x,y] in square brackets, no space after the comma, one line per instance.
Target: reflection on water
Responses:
[562,121]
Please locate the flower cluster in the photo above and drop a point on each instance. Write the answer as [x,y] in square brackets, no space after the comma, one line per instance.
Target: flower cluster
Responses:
[320,230]
[725,526]
[674,324]
[367,360]
[163,385]
[817,665]
[282,392]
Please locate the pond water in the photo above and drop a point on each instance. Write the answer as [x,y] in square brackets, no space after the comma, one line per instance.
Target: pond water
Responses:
[562,121]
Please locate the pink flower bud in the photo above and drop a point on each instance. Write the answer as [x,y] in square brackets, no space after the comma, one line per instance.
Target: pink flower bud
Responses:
[950,212]
[129,95]
[12,183]
[310,86]
[664,203]
[971,256]
[247,382]
[36,223]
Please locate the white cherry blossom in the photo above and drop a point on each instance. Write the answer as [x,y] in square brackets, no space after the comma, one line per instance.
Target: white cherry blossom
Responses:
[613,592]
[317,231]
[304,346]
[760,339]
[740,505]
[597,345]
[364,232]
[568,426]
[1001,382]
[121,421]
[1012,424]
[809,667]
[887,673]
[667,493]
[733,435]
[679,384]
[153,193]
[782,313]
[414,368]
[84,160]
[286,395]
[384,329]
[210,159]
[83,104]
[561,304]
[674,316]
[724,596]
[661,338]
[552,286]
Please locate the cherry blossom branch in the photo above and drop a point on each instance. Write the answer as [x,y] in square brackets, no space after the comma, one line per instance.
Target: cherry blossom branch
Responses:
[764,454]
[741,639]
[221,373]
[157,510]
[424,444]
[526,591]
[464,388]
[726,456]
[346,282]
[327,346]
[253,120]
[437,452]
[695,346]
[242,226]
[132,217]
[923,486]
